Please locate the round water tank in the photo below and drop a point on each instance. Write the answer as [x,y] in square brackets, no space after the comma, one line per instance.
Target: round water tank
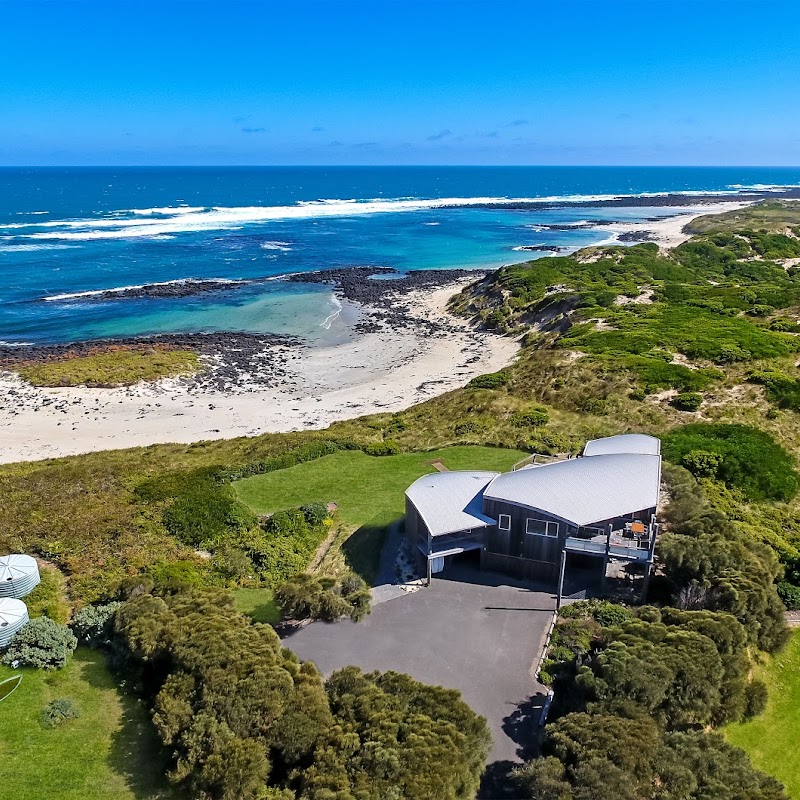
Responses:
[19,575]
[13,617]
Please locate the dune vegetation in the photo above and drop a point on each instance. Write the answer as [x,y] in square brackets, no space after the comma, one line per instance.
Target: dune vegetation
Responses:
[122,366]
[613,338]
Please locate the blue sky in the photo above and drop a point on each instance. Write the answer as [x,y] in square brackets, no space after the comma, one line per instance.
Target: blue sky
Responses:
[400,82]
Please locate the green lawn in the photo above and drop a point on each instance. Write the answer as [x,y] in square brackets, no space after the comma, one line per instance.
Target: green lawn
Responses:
[259,604]
[772,738]
[369,491]
[109,752]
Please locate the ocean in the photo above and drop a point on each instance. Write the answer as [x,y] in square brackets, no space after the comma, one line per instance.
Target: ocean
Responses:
[69,234]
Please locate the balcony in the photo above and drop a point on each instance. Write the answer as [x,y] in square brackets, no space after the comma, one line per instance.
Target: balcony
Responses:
[621,544]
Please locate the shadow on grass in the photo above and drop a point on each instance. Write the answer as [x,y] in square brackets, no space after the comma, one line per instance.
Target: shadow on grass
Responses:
[362,549]
[135,752]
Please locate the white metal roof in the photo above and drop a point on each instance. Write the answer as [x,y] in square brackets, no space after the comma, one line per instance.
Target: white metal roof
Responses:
[624,443]
[584,490]
[451,501]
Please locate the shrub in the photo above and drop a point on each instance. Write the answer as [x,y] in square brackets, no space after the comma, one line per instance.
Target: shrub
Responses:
[687,401]
[312,597]
[790,595]
[42,643]
[387,448]
[740,456]
[532,418]
[702,463]
[199,508]
[468,427]
[57,712]
[756,695]
[92,625]
[594,405]
[492,380]
[175,574]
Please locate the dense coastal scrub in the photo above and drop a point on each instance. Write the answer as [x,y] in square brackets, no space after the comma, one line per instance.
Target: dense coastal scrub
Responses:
[113,367]
[612,337]
[242,717]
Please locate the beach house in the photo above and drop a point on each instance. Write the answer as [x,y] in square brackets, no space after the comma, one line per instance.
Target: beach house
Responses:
[594,512]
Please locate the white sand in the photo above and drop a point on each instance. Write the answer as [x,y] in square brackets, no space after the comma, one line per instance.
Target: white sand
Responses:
[376,372]
[668,232]
[385,371]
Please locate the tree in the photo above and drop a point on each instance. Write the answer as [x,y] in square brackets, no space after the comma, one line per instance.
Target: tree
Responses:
[741,576]
[243,718]
[42,643]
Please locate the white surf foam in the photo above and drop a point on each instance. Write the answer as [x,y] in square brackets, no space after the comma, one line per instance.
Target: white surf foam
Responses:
[276,246]
[150,222]
[329,320]
[32,248]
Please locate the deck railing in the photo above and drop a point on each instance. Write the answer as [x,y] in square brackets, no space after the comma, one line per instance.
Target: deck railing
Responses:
[618,544]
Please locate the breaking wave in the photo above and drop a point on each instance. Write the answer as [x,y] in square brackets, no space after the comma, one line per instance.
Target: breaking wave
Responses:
[163,221]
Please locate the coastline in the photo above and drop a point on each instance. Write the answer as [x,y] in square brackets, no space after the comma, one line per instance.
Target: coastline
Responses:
[407,348]
[382,370]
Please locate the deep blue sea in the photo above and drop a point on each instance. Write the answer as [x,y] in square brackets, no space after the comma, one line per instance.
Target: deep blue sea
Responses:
[68,232]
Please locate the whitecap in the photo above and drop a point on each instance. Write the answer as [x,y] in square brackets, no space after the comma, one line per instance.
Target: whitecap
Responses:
[187,219]
[32,248]
[284,246]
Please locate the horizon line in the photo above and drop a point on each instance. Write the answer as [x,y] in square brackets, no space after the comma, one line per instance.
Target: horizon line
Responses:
[401,166]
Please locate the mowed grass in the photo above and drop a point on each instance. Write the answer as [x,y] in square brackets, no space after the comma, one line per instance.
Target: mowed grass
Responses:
[368,490]
[771,740]
[108,753]
[112,368]
[258,604]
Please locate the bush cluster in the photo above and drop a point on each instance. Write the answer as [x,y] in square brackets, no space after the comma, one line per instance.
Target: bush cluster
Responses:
[741,456]
[633,693]
[242,718]
[492,380]
[42,643]
[687,401]
[533,417]
[385,448]
[316,597]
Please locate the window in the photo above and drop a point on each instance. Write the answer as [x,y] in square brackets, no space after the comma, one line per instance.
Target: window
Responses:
[504,523]
[541,527]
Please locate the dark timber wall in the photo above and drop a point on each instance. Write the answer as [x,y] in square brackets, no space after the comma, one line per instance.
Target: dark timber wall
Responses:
[416,532]
[517,552]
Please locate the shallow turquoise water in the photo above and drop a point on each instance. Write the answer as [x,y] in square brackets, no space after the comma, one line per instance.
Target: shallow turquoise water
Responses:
[68,231]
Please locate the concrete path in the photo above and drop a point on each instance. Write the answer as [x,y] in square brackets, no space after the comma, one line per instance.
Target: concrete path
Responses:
[478,632]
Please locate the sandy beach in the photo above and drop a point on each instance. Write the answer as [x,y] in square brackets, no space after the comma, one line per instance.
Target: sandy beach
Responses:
[384,368]
[379,371]
[668,233]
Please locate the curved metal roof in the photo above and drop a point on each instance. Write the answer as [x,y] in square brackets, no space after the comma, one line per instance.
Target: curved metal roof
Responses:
[449,502]
[624,443]
[13,617]
[19,575]
[581,491]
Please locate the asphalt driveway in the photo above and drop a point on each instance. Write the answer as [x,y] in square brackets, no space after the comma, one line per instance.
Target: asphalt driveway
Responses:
[478,632]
